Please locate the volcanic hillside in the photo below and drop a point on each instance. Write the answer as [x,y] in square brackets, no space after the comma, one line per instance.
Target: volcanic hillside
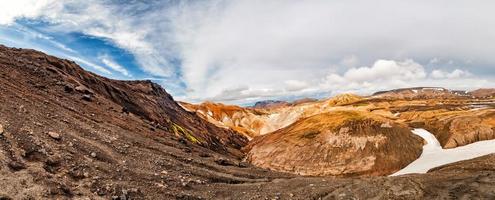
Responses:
[341,143]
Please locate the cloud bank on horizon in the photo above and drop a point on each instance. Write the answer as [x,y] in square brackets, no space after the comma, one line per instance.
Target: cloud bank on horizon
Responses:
[247,50]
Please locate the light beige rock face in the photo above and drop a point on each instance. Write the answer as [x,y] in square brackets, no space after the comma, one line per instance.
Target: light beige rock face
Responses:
[246,121]
[341,143]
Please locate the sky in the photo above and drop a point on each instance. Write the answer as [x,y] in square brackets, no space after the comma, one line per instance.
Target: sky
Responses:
[243,51]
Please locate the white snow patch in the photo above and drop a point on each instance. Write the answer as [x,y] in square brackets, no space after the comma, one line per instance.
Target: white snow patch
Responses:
[433,155]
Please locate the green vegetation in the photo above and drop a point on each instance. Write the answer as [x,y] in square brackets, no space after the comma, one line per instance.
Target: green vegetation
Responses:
[179,130]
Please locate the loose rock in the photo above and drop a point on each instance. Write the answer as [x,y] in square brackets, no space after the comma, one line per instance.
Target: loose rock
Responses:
[54,135]
[68,88]
[386,125]
[225,162]
[86,97]
[83,89]
[17,166]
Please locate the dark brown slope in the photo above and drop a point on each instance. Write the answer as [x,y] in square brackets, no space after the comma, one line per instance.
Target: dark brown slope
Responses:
[145,99]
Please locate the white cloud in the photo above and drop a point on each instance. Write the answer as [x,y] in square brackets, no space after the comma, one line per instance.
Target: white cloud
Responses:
[386,70]
[142,36]
[390,74]
[90,64]
[457,73]
[108,61]
[433,61]
[12,10]
[221,40]
[296,85]
[281,48]
[244,93]
[350,61]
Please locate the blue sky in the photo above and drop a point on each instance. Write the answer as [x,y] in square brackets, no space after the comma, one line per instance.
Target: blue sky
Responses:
[242,51]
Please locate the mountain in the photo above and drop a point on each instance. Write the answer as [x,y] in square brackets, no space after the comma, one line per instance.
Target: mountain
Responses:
[421,93]
[308,146]
[483,93]
[455,128]
[270,104]
[253,122]
[66,133]
[342,143]
[246,121]
[344,99]
[50,76]
[303,101]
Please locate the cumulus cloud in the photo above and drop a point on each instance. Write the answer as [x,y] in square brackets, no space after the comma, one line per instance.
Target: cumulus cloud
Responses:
[441,74]
[390,74]
[386,70]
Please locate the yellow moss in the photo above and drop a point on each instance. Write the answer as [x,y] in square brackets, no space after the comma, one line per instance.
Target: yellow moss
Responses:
[192,138]
[180,131]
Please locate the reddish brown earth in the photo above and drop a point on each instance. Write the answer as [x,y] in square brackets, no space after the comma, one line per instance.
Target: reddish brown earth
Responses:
[343,143]
[69,134]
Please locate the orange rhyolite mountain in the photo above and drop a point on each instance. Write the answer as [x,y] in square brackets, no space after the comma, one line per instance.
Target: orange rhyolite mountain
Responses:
[456,118]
